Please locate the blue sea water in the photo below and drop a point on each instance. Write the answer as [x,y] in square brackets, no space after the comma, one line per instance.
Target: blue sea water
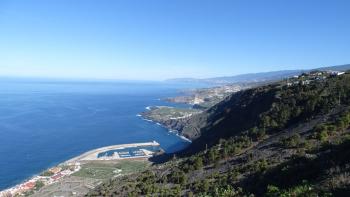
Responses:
[43,123]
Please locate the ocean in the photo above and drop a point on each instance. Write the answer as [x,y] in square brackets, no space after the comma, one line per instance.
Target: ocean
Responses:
[44,123]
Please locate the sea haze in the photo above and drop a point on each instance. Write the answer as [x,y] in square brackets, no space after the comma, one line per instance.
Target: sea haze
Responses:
[43,123]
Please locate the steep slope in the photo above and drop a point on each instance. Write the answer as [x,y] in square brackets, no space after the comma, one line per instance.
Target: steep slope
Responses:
[236,113]
[275,140]
[270,108]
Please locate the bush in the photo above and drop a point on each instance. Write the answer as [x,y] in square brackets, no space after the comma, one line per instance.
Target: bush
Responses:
[39,185]
[178,177]
[300,190]
[47,173]
[323,136]
[292,142]
[228,191]
[198,163]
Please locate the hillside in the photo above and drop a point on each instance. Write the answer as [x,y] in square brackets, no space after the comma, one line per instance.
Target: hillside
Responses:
[243,78]
[275,140]
[344,67]
[257,77]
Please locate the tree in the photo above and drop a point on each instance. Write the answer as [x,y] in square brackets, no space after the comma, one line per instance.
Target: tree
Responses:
[190,194]
[323,135]
[225,152]
[205,186]
[272,191]
[211,155]
[292,142]
[39,185]
[198,163]
[229,191]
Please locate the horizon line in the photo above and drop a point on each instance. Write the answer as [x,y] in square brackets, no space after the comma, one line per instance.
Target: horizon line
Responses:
[101,79]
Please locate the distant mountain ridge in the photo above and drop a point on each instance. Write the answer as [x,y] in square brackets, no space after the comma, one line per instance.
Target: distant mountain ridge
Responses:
[344,67]
[271,140]
[257,77]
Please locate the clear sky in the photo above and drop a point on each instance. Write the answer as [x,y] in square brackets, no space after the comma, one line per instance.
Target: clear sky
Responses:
[159,39]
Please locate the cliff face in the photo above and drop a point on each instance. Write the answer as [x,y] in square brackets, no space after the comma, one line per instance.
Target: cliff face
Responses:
[170,117]
[265,110]
[236,113]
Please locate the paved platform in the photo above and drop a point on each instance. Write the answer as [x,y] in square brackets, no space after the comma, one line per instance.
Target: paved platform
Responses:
[94,154]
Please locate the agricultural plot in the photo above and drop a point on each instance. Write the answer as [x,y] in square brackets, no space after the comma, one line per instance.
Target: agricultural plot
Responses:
[102,170]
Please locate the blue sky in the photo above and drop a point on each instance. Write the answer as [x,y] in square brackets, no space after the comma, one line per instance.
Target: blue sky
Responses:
[159,39]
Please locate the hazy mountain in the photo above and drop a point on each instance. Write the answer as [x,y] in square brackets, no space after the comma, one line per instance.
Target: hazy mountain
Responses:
[344,67]
[256,77]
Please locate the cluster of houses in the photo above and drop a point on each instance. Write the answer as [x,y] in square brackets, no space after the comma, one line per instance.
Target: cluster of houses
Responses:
[212,93]
[307,78]
[51,176]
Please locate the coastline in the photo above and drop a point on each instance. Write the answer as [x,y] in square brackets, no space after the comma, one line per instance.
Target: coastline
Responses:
[177,133]
[92,155]
[85,157]
[37,176]
[29,184]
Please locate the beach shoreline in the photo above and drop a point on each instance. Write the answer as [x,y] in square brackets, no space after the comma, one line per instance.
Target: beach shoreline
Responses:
[73,165]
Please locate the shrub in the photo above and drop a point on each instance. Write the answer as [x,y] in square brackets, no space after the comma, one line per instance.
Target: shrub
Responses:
[292,142]
[198,163]
[323,136]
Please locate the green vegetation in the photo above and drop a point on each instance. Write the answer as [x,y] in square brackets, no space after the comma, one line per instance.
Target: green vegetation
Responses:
[300,190]
[163,112]
[269,141]
[39,185]
[292,142]
[47,173]
[98,170]
[300,103]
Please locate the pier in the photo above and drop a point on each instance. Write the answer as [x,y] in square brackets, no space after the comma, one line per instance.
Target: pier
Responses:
[120,151]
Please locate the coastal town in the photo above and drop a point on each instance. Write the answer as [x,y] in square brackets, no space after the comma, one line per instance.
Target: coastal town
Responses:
[79,169]
[206,97]
[199,100]
[51,176]
[162,114]
[307,78]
